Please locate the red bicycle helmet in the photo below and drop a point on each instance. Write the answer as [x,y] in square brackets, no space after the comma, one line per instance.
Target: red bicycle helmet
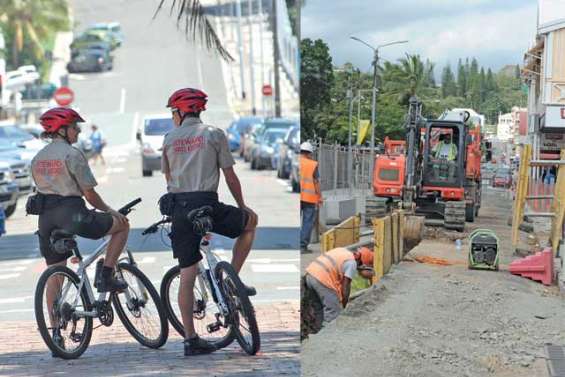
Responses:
[53,119]
[188,100]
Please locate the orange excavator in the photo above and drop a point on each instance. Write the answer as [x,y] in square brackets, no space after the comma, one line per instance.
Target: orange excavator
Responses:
[438,173]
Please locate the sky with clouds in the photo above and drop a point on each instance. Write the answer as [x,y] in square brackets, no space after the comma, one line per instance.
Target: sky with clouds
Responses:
[496,32]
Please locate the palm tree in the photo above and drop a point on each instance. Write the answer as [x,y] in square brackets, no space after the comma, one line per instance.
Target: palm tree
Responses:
[33,21]
[410,77]
[196,24]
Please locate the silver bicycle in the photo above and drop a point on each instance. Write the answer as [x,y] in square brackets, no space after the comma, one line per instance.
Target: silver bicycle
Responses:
[222,310]
[65,304]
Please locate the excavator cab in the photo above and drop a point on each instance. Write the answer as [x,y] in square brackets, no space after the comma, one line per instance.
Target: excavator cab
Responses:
[444,155]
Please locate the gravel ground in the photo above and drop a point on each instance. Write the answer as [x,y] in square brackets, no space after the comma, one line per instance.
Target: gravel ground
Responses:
[427,320]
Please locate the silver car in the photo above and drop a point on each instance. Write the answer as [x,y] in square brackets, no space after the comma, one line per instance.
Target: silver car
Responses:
[8,189]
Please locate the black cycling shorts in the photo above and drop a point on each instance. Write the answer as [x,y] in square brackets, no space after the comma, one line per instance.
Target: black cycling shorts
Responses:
[228,221]
[70,214]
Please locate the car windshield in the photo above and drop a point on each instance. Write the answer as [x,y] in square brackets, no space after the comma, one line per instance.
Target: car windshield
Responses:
[270,137]
[158,126]
[279,124]
[13,132]
[503,171]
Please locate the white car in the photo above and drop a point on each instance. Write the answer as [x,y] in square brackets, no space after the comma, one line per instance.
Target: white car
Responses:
[151,135]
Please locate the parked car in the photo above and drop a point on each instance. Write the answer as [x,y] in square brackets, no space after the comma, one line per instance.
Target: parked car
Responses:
[151,136]
[238,128]
[289,146]
[90,60]
[8,189]
[95,46]
[279,123]
[19,162]
[249,141]
[502,178]
[112,29]
[295,172]
[262,156]
[10,132]
[92,36]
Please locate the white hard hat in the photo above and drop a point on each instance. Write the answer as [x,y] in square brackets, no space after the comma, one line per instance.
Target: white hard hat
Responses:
[306,147]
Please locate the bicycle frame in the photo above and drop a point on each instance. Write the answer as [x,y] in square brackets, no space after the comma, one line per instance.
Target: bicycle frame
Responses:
[85,282]
[208,274]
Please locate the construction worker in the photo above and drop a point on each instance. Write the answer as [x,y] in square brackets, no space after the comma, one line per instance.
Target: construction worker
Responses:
[330,276]
[310,196]
[445,149]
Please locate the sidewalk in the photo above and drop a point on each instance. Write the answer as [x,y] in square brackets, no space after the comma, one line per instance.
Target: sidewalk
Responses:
[113,352]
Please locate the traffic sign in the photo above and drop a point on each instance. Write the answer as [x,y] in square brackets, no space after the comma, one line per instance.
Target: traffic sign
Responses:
[267,90]
[64,96]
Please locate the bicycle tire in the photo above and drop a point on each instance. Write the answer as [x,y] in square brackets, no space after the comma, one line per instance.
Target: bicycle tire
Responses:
[225,268]
[40,317]
[130,327]
[172,274]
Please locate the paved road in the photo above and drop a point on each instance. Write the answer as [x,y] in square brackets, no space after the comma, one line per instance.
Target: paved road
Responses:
[154,60]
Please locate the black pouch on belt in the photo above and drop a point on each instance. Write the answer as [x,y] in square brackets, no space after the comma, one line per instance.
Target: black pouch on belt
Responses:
[167,204]
[35,204]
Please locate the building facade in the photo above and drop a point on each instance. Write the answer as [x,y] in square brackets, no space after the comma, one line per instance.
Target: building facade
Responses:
[544,73]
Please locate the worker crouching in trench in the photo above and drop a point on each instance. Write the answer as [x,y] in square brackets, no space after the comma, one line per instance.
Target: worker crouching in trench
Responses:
[330,276]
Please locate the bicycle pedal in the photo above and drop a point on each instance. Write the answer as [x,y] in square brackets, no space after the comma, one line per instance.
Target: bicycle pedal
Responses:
[76,337]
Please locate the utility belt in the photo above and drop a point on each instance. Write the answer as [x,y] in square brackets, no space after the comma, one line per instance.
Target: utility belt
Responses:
[168,201]
[38,203]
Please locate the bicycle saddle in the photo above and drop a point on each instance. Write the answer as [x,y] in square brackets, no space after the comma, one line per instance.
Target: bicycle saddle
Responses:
[62,242]
[201,219]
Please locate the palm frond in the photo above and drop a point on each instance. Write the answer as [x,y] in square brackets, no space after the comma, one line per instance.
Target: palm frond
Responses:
[196,25]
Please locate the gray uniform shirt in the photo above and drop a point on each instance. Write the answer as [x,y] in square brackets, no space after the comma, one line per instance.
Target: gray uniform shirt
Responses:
[61,169]
[193,155]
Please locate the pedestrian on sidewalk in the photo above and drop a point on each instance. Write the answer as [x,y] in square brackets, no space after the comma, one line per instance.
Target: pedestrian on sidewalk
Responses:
[98,144]
[310,195]
[330,276]
[550,175]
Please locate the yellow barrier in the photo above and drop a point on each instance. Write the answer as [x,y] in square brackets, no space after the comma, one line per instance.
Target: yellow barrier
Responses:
[521,192]
[558,206]
[341,235]
[389,243]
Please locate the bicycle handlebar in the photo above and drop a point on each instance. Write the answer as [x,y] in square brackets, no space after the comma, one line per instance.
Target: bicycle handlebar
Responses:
[125,210]
[153,227]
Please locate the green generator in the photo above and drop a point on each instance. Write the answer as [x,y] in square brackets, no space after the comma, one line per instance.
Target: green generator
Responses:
[483,250]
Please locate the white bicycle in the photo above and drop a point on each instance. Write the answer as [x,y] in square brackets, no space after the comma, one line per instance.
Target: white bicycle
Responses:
[222,310]
[65,304]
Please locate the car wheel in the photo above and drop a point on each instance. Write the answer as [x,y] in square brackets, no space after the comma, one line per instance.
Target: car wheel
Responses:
[147,173]
[253,166]
[9,211]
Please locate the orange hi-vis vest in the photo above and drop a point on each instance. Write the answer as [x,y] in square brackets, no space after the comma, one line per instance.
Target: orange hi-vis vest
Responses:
[328,269]
[307,188]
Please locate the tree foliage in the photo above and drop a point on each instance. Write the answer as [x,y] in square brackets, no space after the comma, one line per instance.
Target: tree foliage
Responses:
[28,25]
[325,103]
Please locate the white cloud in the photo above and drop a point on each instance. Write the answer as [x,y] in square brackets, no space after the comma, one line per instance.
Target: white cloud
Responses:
[496,35]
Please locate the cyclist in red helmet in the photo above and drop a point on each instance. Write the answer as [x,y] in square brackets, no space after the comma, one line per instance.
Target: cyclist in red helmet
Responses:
[193,155]
[63,177]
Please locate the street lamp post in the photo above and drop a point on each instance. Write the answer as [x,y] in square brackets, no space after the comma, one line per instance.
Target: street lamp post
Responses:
[375,92]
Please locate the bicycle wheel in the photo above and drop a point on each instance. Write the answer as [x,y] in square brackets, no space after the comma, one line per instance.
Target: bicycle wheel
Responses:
[57,298]
[208,320]
[243,320]
[139,308]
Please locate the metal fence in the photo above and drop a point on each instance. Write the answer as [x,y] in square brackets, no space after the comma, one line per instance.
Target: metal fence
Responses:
[333,167]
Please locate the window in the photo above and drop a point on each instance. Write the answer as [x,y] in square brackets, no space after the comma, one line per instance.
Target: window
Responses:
[389,174]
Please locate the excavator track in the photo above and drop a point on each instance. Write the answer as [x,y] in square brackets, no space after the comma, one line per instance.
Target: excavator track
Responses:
[454,215]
